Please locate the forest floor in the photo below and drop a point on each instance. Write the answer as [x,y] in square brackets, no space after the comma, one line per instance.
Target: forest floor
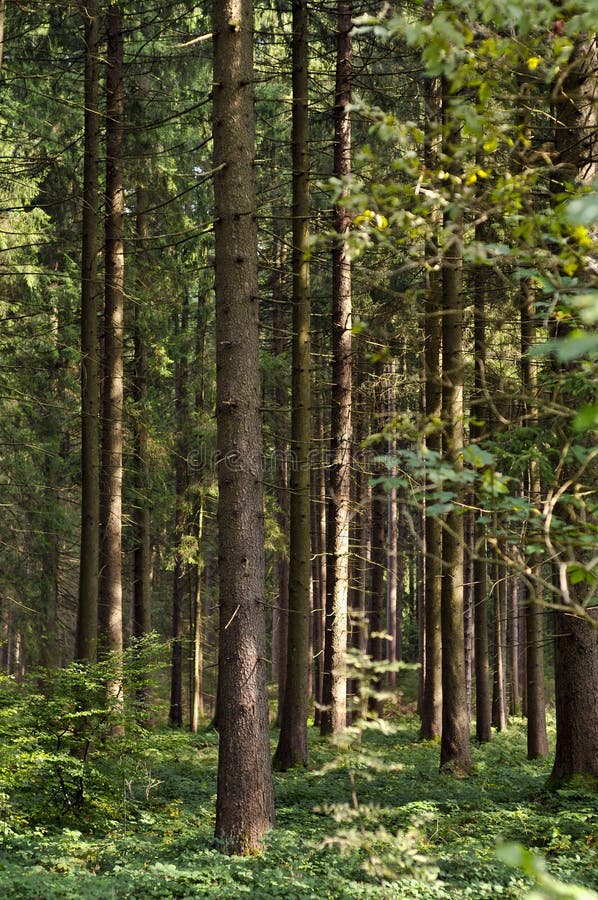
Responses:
[372,819]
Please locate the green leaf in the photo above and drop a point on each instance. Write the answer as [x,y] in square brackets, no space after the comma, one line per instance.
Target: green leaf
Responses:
[586,419]
[583,210]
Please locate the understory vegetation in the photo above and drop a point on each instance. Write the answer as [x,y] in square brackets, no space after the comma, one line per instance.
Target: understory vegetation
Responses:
[87,813]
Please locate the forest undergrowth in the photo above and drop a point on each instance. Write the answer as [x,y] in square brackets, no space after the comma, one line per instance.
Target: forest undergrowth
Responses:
[133,816]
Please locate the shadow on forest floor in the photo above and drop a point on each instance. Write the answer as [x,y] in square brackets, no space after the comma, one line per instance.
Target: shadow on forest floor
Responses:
[372,820]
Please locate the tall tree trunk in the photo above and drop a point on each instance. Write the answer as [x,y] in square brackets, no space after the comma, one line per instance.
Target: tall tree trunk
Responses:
[337,586]
[245,793]
[110,606]
[196,706]
[196,699]
[280,614]
[292,744]
[576,637]
[141,510]
[513,643]
[319,561]
[392,559]
[478,431]
[2,28]
[89,557]
[175,716]
[454,745]
[431,712]
[377,602]
[499,683]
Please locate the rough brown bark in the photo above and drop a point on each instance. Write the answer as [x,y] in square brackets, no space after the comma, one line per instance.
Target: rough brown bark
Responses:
[141,510]
[576,637]
[334,697]
[245,793]
[499,680]
[537,740]
[478,431]
[89,562]
[292,744]
[175,716]
[110,596]
[454,744]
[431,706]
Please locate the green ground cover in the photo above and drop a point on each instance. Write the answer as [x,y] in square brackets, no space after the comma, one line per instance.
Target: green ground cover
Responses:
[373,818]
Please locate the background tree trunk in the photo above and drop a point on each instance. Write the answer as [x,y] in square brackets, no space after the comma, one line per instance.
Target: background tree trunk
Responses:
[292,743]
[337,587]
[89,557]
[110,598]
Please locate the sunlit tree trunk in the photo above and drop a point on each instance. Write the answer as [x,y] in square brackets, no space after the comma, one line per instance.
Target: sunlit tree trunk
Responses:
[431,712]
[337,587]
[245,792]
[454,745]
[110,606]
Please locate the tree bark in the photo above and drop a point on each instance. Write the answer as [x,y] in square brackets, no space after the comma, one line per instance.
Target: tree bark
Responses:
[245,792]
[337,587]
[576,637]
[110,606]
[431,712]
[175,716]
[89,556]
[454,745]
[478,431]
[142,562]
[292,744]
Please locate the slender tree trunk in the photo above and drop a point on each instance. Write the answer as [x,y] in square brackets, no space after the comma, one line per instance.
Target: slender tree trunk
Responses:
[478,431]
[454,745]
[468,609]
[141,510]
[431,724]
[537,740]
[337,587]
[292,743]
[513,645]
[319,566]
[245,793]
[196,707]
[377,599]
[175,716]
[89,557]
[392,560]
[499,684]
[110,598]
[280,617]
[2,29]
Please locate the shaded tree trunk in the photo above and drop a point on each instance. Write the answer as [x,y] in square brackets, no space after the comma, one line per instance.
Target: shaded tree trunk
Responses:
[292,744]
[142,562]
[89,561]
[175,715]
[576,637]
[478,431]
